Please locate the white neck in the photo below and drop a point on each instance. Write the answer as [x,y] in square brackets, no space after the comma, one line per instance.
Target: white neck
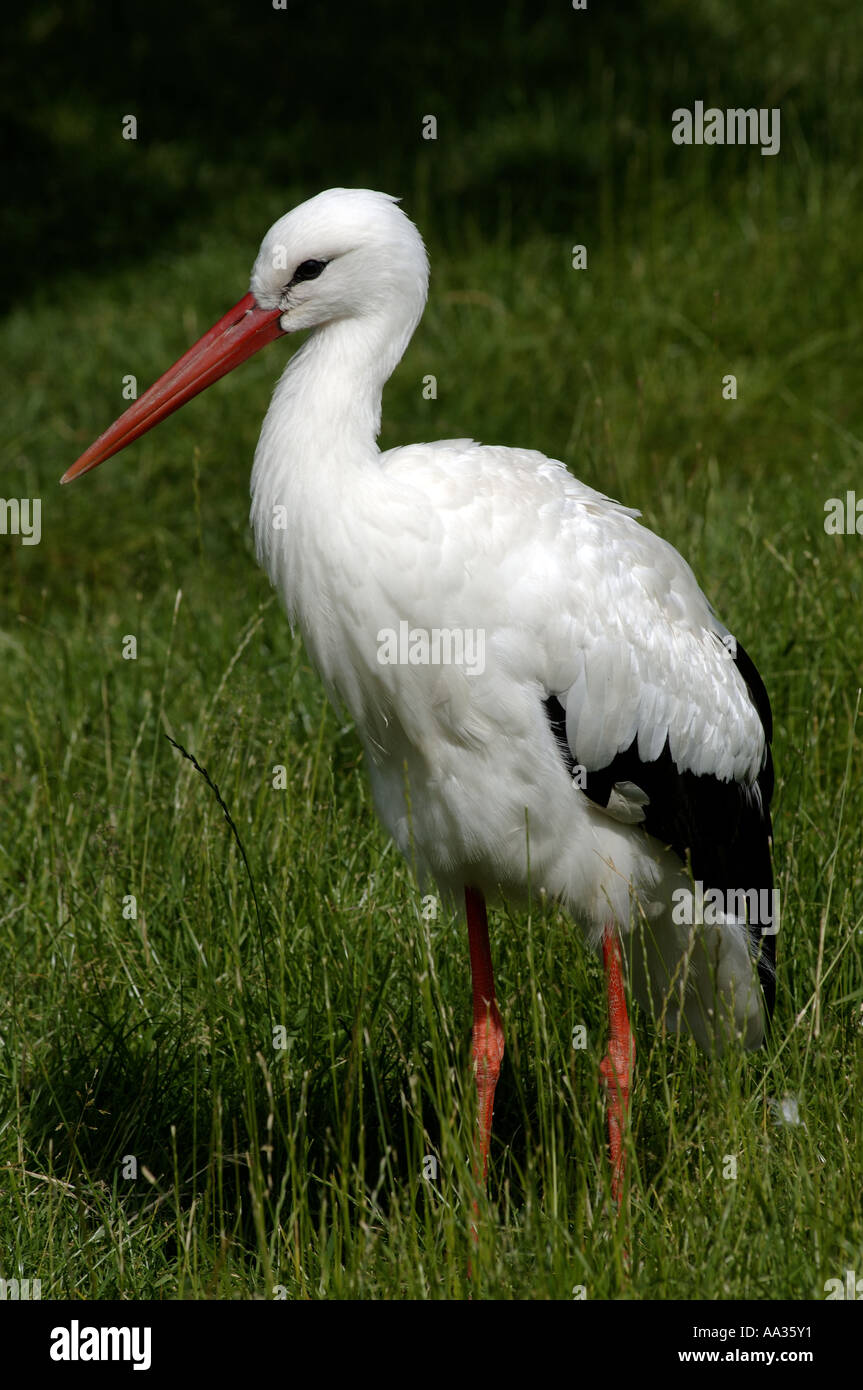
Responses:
[317,467]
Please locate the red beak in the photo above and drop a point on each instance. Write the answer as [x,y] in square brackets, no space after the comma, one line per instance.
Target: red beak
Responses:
[243,331]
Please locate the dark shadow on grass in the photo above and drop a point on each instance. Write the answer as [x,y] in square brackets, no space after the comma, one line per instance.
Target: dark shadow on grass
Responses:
[539,114]
[114,1087]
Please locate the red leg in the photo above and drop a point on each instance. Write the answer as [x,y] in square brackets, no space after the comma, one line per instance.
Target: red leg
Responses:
[617,1065]
[487,1023]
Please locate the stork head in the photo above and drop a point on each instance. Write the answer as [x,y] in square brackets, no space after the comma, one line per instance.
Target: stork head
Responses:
[348,253]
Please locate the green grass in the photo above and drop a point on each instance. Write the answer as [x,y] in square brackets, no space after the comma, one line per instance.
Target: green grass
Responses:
[301,1169]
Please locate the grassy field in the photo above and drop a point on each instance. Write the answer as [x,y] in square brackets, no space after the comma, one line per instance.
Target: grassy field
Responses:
[154,1143]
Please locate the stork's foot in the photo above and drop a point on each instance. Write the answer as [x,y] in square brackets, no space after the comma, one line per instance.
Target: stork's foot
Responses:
[617,1066]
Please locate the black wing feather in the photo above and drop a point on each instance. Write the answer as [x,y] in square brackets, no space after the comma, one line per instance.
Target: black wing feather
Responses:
[724,827]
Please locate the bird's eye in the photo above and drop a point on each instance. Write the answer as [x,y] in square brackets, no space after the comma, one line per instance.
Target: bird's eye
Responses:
[308,270]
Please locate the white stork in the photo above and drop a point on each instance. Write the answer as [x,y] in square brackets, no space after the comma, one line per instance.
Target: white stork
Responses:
[607,741]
